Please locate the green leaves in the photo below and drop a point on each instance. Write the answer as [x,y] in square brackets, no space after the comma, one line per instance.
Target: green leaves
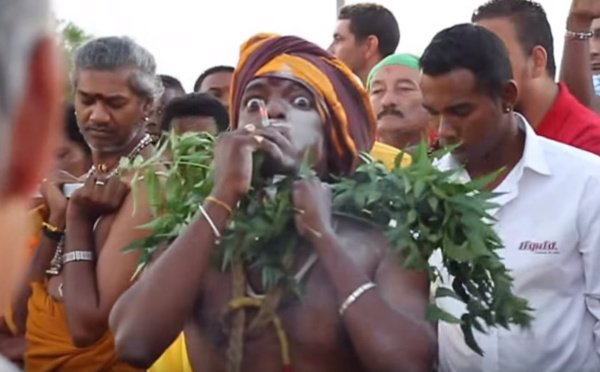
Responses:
[433,213]
[421,209]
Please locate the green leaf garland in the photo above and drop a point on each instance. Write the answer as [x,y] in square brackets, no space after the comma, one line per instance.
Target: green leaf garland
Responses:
[420,208]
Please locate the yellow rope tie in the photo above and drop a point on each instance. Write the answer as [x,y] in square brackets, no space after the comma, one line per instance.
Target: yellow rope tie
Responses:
[244,302]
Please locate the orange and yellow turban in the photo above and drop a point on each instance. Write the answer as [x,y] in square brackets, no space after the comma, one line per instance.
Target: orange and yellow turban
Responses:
[350,123]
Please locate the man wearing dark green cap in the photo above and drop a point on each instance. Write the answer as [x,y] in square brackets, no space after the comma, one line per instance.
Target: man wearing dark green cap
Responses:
[393,85]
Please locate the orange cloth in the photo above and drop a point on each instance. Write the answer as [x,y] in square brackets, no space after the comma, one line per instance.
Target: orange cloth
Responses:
[50,347]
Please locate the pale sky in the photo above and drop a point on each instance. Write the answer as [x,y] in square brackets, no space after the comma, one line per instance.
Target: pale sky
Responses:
[189,36]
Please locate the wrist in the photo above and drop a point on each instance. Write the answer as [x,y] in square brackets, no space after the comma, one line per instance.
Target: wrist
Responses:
[577,23]
[321,237]
[225,196]
[76,216]
[58,220]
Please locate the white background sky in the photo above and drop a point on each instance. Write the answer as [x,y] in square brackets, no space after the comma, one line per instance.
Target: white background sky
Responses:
[188,36]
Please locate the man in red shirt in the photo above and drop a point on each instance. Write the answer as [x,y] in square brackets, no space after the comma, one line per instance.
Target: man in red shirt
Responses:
[549,107]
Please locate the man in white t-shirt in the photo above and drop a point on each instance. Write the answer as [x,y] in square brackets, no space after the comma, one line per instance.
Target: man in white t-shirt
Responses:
[30,110]
[548,215]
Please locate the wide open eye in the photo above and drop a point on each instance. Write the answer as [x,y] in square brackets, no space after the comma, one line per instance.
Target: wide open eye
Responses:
[302,102]
[253,104]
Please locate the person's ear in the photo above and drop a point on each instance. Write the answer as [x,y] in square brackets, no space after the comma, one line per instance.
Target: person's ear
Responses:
[38,121]
[508,95]
[371,44]
[539,59]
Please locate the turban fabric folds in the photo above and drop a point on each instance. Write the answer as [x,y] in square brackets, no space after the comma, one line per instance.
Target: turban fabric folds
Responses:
[350,123]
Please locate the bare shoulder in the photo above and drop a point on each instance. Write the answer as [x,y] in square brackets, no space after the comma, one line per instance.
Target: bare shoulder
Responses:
[361,240]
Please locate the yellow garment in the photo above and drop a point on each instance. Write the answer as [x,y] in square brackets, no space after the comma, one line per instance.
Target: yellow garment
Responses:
[174,359]
[387,155]
[50,347]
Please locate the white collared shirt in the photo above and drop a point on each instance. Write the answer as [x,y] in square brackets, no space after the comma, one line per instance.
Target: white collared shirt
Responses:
[549,221]
[6,366]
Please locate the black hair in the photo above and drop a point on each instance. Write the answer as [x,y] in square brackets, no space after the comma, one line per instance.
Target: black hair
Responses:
[210,71]
[471,47]
[368,19]
[169,82]
[196,104]
[72,129]
[531,25]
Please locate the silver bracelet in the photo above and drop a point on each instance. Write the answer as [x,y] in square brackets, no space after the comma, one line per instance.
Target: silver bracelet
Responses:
[211,223]
[76,256]
[354,296]
[578,36]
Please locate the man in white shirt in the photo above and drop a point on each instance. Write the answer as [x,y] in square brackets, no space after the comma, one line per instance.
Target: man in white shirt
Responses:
[548,214]
[30,110]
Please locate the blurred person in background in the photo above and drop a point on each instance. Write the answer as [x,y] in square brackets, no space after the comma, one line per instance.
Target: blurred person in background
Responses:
[365,34]
[172,88]
[548,106]
[195,112]
[216,81]
[393,86]
[30,109]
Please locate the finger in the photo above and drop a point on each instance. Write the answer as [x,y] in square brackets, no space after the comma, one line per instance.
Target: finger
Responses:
[276,136]
[298,192]
[239,139]
[299,225]
[271,148]
[88,183]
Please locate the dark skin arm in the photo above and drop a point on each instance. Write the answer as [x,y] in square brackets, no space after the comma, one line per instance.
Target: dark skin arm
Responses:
[576,68]
[91,288]
[386,324]
[177,276]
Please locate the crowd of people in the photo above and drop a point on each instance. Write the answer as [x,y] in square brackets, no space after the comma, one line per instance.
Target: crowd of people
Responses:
[490,89]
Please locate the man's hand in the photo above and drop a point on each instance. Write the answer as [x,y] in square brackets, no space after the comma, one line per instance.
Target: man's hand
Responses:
[99,196]
[281,155]
[51,190]
[582,13]
[312,203]
[233,158]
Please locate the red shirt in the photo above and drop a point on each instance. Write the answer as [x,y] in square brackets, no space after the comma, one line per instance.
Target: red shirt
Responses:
[570,122]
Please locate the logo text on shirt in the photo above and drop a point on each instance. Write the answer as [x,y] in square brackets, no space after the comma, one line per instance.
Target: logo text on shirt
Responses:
[546,247]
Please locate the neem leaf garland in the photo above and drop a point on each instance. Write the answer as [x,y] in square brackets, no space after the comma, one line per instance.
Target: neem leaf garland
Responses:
[420,208]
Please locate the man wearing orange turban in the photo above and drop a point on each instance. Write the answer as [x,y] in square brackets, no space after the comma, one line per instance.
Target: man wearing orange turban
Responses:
[361,310]
[347,110]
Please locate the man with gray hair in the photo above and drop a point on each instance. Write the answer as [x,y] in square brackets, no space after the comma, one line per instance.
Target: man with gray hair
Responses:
[79,269]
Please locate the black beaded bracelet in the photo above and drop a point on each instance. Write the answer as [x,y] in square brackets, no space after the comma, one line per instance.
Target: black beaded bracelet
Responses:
[52,234]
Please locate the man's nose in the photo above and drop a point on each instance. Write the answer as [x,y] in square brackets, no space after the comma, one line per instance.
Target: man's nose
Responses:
[445,130]
[389,100]
[276,109]
[595,48]
[99,114]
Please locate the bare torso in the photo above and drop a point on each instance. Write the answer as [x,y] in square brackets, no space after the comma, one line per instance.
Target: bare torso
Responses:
[317,338]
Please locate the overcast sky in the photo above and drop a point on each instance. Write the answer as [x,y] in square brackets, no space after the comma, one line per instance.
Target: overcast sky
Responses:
[188,36]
